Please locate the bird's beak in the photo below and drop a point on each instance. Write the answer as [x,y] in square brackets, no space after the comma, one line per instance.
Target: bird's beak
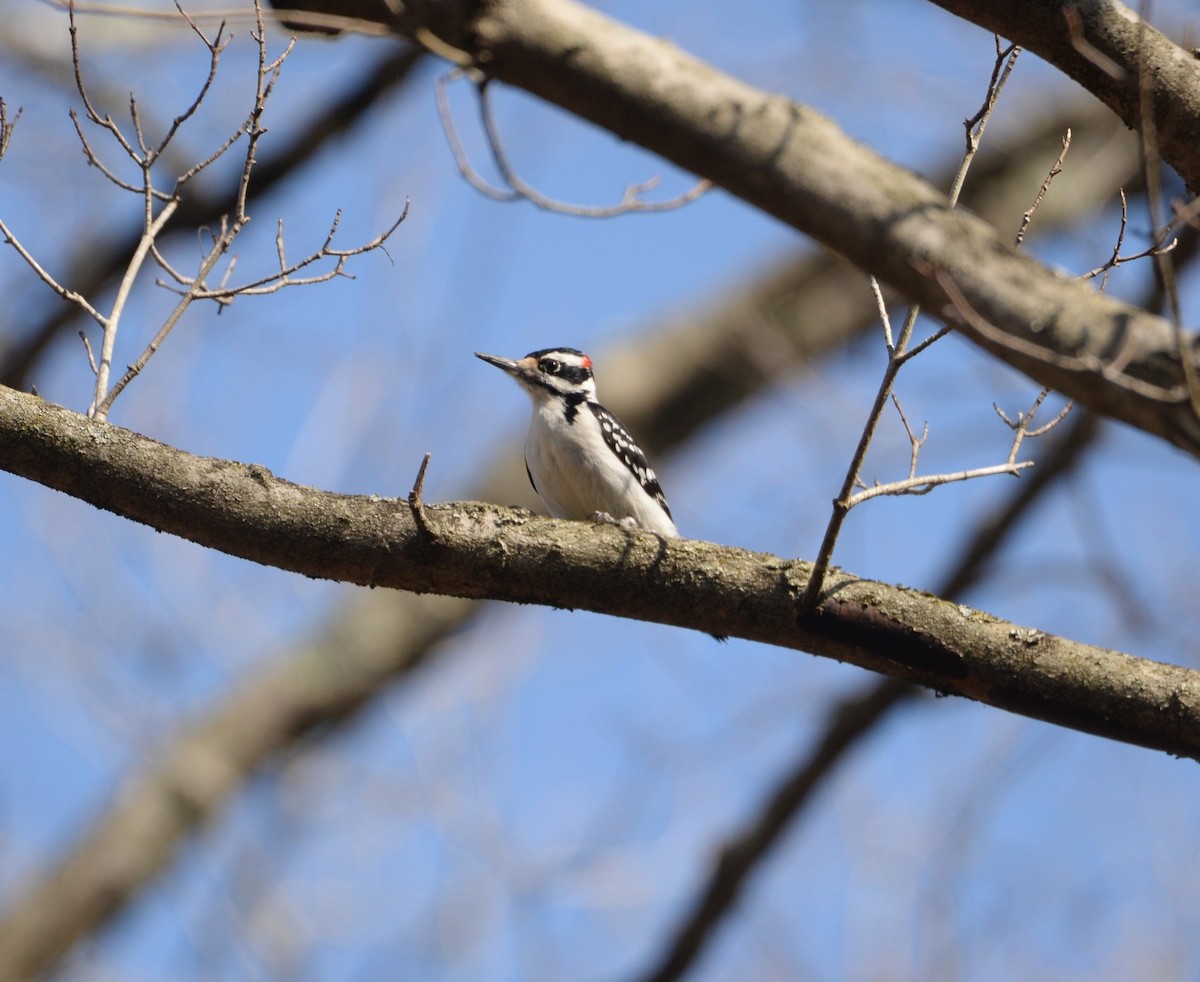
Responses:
[523,370]
[504,364]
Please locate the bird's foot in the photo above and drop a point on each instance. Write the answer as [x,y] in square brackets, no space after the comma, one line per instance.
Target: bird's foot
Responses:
[604,518]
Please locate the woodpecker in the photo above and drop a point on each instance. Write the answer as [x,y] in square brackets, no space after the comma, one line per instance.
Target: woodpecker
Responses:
[580,459]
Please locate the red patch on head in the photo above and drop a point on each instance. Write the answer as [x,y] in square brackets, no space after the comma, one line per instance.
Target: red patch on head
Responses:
[587,362]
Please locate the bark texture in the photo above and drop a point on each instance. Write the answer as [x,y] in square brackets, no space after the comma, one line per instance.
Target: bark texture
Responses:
[474,550]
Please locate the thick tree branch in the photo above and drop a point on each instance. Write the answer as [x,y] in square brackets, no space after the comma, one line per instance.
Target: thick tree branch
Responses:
[796,164]
[1112,53]
[485,551]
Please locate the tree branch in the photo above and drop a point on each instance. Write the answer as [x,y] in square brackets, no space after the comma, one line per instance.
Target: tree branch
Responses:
[810,305]
[487,552]
[851,720]
[1103,47]
[797,165]
[98,261]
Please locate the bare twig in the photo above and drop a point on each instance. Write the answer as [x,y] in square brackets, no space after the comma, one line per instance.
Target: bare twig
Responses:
[1055,170]
[202,208]
[915,442]
[1006,60]
[1160,247]
[159,208]
[916,349]
[923,484]
[284,277]
[215,47]
[416,502]
[68,295]
[517,189]
[1020,426]
[103,398]
[898,350]
[87,346]
[265,78]
[461,159]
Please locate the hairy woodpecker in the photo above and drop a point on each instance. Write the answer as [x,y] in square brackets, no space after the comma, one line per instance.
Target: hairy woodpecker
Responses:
[580,459]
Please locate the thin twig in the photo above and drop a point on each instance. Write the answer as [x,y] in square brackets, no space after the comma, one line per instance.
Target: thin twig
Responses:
[1055,170]
[69,295]
[284,277]
[915,442]
[87,346]
[898,353]
[102,399]
[195,288]
[922,484]
[461,159]
[215,47]
[416,503]
[1006,60]
[516,188]
[927,482]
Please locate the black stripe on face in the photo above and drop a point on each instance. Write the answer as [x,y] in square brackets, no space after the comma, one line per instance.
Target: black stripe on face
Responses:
[568,364]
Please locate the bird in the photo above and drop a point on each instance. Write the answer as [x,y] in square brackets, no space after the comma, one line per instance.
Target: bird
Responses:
[581,460]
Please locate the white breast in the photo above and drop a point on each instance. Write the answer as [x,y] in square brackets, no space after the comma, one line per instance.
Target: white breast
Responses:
[577,475]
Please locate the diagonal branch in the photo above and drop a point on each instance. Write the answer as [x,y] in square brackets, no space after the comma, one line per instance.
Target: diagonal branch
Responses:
[1107,48]
[850,721]
[796,164]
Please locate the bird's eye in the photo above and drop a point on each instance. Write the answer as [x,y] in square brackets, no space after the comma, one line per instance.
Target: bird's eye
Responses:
[551,366]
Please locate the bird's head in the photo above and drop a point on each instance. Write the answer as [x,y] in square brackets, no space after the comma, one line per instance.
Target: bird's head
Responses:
[564,372]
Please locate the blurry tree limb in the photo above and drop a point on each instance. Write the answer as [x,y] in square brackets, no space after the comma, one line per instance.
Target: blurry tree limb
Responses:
[849,721]
[792,162]
[721,354]
[204,765]
[484,551]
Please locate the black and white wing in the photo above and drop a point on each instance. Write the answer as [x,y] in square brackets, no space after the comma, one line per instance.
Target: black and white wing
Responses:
[629,453]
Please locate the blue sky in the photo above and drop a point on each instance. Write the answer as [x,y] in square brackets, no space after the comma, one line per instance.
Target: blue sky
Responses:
[542,802]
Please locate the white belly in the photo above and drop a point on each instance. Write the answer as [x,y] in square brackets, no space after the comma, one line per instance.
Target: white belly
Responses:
[576,478]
